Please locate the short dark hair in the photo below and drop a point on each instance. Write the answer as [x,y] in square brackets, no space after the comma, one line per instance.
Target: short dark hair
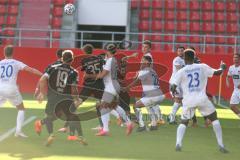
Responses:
[148,42]
[191,47]
[88,48]
[180,47]
[59,53]
[67,56]
[148,58]
[112,48]
[8,51]
[189,54]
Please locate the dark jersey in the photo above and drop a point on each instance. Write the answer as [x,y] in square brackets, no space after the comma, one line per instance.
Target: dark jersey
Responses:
[61,79]
[49,66]
[122,65]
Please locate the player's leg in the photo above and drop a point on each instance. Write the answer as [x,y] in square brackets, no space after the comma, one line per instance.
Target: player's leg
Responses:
[208,110]
[139,115]
[124,102]
[234,101]
[187,114]
[176,105]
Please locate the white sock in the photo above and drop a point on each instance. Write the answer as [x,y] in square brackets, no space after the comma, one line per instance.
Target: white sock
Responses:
[123,114]
[152,115]
[218,132]
[139,117]
[180,133]
[239,115]
[157,112]
[20,120]
[105,116]
[175,108]
[115,113]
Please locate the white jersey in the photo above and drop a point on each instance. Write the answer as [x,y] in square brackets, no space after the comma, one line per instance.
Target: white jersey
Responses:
[234,72]
[9,69]
[178,61]
[149,81]
[193,81]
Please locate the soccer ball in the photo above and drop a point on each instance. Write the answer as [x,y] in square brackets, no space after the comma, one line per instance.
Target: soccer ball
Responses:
[69,8]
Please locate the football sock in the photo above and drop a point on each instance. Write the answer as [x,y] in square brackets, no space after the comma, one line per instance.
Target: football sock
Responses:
[152,115]
[114,113]
[105,116]
[194,118]
[49,125]
[20,120]
[123,114]
[218,132]
[157,112]
[175,108]
[139,117]
[99,116]
[180,133]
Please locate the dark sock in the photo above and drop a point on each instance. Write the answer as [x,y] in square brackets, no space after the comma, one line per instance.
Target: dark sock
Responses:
[49,125]
[194,119]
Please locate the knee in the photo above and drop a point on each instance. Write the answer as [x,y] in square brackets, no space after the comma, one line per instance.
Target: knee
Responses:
[185,122]
[212,117]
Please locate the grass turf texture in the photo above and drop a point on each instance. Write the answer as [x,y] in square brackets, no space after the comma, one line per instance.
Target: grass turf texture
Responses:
[199,143]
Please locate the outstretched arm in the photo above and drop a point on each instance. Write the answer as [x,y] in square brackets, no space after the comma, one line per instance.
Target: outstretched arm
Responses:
[221,69]
[32,70]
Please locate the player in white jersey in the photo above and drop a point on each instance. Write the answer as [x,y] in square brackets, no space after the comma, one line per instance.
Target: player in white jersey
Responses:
[177,64]
[193,80]
[152,94]
[234,72]
[9,91]
[110,96]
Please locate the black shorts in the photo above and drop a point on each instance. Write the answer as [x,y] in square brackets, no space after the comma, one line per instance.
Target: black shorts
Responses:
[124,101]
[94,90]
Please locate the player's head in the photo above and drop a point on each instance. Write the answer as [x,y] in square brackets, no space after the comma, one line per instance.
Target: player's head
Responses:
[59,53]
[180,51]
[146,61]
[236,58]
[87,49]
[146,47]
[189,55]
[8,51]
[111,49]
[67,56]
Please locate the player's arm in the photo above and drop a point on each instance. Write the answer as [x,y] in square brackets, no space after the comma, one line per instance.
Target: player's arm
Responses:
[42,85]
[220,70]
[227,80]
[130,56]
[135,81]
[173,88]
[102,74]
[74,89]
[32,70]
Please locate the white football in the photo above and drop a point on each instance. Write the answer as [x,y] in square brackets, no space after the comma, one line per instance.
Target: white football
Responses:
[69,8]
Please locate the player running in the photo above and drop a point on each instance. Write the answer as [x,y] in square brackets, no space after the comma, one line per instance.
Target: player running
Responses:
[234,73]
[152,94]
[9,69]
[63,98]
[193,80]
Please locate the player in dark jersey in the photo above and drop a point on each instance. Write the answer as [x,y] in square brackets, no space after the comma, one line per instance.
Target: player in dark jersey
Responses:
[62,97]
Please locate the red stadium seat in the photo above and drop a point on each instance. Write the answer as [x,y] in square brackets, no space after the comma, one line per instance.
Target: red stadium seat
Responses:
[157,4]
[169,4]
[55,34]
[197,48]
[232,28]
[182,39]
[11,20]
[57,11]
[70,1]
[157,14]
[182,15]
[156,25]
[231,40]
[2,20]
[156,46]
[231,6]
[220,49]
[195,39]
[3,9]
[7,41]
[144,14]
[55,44]
[194,16]
[220,40]
[15,2]
[194,27]
[156,38]
[134,4]
[194,5]
[169,26]
[3,1]
[143,25]
[209,39]
[168,47]
[207,16]
[182,26]
[58,2]
[210,49]
[220,27]
[207,5]
[232,17]
[207,27]
[219,6]
[231,49]
[168,38]
[13,9]
[219,16]
[145,37]
[56,22]
[169,15]
[9,32]
[183,5]
[145,4]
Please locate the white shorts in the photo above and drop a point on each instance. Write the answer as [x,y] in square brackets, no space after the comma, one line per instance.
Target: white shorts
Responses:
[10,94]
[235,98]
[111,93]
[152,101]
[206,108]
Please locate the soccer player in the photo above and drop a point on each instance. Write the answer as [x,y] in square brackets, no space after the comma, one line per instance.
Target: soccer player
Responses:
[9,69]
[193,80]
[152,94]
[177,64]
[63,98]
[234,73]
[110,96]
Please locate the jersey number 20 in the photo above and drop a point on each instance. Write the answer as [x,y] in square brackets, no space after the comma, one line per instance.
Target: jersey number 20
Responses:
[6,71]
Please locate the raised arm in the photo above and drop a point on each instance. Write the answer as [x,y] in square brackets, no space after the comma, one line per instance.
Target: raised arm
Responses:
[221,69]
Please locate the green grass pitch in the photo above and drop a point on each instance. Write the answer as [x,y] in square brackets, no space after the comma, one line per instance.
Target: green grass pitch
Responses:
[199,143]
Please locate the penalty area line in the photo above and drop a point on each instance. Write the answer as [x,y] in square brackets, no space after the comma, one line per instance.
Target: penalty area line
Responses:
[12,130]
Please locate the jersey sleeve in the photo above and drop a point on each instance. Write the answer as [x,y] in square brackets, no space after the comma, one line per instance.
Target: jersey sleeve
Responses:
[142,74]
[108,64]
[208,71]
[73,78]
[177,79]
[21,65]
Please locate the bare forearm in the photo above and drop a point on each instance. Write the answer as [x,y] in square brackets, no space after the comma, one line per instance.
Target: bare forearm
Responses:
[33,71]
